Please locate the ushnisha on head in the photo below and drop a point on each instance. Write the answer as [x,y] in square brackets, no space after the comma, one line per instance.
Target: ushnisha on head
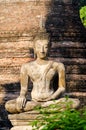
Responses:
[41,44]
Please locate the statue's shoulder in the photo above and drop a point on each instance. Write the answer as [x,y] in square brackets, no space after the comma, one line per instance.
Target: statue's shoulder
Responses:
[58,65]
[28,64]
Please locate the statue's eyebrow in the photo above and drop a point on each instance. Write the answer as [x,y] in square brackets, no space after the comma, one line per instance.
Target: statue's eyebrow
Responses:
[46,44]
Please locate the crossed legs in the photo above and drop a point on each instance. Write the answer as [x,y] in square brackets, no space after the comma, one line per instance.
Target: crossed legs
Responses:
[11,105]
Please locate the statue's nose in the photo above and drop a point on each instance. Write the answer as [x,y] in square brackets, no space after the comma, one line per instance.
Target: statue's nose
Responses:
[42,49]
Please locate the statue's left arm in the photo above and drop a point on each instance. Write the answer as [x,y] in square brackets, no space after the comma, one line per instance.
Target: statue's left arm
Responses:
[61,80]
[59,67]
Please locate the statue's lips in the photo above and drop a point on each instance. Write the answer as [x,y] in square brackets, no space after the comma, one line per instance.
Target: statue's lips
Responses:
[42,54]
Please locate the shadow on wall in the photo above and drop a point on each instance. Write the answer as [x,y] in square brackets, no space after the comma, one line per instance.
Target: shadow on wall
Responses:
[65,27]
[63,22]
[12,91]
[5,124]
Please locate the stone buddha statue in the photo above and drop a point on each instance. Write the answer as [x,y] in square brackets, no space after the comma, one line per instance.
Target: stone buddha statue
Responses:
[41,72]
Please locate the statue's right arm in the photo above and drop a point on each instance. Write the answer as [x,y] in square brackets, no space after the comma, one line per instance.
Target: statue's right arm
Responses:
[21,100]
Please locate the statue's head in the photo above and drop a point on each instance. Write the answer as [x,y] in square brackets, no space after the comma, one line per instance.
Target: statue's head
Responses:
[41,45]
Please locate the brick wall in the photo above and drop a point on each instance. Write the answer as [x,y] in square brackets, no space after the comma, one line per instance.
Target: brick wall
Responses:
[19,23]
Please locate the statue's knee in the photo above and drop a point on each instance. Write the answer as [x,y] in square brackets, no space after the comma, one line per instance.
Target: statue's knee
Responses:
[7,105]
[76,103]
[10,106]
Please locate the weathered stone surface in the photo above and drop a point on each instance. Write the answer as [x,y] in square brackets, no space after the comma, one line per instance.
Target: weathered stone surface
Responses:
[22,128]
[21,16]
[22,118]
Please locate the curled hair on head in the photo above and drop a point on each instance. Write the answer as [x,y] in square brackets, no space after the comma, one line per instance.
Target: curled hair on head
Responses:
[41,35]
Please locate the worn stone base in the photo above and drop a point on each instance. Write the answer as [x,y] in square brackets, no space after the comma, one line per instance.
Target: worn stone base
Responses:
[23,119]
[21,128]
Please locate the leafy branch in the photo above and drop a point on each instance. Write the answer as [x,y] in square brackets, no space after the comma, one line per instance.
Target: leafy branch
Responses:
[55,118]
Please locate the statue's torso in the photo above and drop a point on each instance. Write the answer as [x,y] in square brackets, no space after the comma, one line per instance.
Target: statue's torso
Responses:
[41,76]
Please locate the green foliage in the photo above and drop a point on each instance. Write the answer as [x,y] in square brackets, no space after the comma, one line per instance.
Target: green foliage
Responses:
[82,12]
[54,118]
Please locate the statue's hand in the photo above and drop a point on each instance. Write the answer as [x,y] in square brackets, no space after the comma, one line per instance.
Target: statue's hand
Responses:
[50,98]
[56,94]
[20,103]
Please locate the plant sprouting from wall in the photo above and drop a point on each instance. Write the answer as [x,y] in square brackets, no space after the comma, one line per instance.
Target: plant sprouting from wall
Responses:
[82,11]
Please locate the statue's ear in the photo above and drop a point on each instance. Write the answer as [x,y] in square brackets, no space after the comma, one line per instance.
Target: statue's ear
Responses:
[49,47]
[34,50]
[35,56]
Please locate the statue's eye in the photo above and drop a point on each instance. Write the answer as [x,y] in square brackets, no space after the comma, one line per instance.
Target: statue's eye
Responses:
[46,46]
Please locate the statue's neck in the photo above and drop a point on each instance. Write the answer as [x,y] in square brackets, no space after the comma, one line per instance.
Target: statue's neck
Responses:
[42,61]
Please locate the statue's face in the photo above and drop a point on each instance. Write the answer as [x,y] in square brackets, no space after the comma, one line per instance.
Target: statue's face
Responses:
[41,48]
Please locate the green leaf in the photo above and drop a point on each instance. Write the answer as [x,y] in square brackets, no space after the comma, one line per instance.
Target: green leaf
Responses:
[53,118]
[82,13]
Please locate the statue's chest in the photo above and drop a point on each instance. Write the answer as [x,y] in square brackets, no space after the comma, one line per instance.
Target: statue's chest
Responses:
[50,74]
[41,72]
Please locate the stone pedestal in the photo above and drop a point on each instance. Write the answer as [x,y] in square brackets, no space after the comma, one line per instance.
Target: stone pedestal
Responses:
[22,128]
[22,121]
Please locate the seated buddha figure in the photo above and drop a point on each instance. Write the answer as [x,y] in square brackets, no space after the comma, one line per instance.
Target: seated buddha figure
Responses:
[41,72]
